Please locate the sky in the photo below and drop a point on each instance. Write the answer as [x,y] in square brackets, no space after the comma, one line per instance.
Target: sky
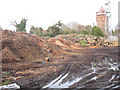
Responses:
[44,13]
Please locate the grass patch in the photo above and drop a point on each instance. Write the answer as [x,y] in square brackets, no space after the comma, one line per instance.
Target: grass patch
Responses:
[83,43]
[76,36]
[6,82]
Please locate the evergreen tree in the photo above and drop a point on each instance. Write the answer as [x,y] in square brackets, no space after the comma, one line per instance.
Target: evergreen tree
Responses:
[36,30]
[97,31]
[22,26]
[55,29]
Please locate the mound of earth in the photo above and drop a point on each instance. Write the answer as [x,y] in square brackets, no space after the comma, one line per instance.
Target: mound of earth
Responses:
[60,42]
[21,47]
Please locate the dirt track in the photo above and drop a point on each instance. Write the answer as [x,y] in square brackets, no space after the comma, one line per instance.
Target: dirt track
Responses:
[77,68]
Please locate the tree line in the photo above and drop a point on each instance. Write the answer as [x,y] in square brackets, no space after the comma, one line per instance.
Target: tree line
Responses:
[60,28]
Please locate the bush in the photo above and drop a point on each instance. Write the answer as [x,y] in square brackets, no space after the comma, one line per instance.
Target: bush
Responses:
[113,32]
[85,32]
[97,31]
[83,43]
[73,31]
[67,32]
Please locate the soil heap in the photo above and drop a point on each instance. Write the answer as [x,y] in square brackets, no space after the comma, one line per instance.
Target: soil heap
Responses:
[21,46]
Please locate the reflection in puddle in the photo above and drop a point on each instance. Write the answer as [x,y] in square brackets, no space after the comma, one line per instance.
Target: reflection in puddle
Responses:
[116,87]
[88,76]
[109,66]
[113,76]
[56,82]
[113,67]
[67,84]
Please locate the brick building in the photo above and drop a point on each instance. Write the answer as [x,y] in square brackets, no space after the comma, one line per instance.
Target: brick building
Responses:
[101,18]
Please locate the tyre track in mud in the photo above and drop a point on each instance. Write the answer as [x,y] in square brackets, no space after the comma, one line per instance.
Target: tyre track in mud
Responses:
[75,72]
[91,78]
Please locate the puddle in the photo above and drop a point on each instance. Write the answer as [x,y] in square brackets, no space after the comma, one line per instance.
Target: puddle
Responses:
[116,87]
[113,67]
[56,82]
[13,86]
[97,71]
[113,76]
[109,65]
[69,83]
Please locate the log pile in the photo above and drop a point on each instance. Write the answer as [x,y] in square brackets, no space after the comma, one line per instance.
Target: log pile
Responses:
[90,40]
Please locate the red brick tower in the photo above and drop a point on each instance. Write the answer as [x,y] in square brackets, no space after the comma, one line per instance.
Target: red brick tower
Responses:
[101,18]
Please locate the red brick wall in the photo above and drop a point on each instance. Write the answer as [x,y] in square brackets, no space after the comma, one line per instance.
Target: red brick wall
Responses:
[100,18]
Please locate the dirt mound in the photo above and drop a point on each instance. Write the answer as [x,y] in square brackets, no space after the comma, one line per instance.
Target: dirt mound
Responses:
[60,42]
[8,55]
[21,47]
[65,36]
[7,34]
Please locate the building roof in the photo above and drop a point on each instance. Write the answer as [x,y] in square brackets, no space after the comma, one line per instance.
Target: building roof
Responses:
[102,10]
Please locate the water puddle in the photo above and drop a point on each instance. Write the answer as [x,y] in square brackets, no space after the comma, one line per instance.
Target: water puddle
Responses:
[92,74]
[116,87]
[113,76]
[56,82]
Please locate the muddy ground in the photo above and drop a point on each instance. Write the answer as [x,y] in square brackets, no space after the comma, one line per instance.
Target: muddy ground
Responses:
[75,68]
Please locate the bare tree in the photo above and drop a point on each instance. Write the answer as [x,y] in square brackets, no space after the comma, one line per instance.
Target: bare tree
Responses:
[73,25]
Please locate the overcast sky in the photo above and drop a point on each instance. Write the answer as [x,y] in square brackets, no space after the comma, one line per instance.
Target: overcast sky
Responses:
[44,13]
